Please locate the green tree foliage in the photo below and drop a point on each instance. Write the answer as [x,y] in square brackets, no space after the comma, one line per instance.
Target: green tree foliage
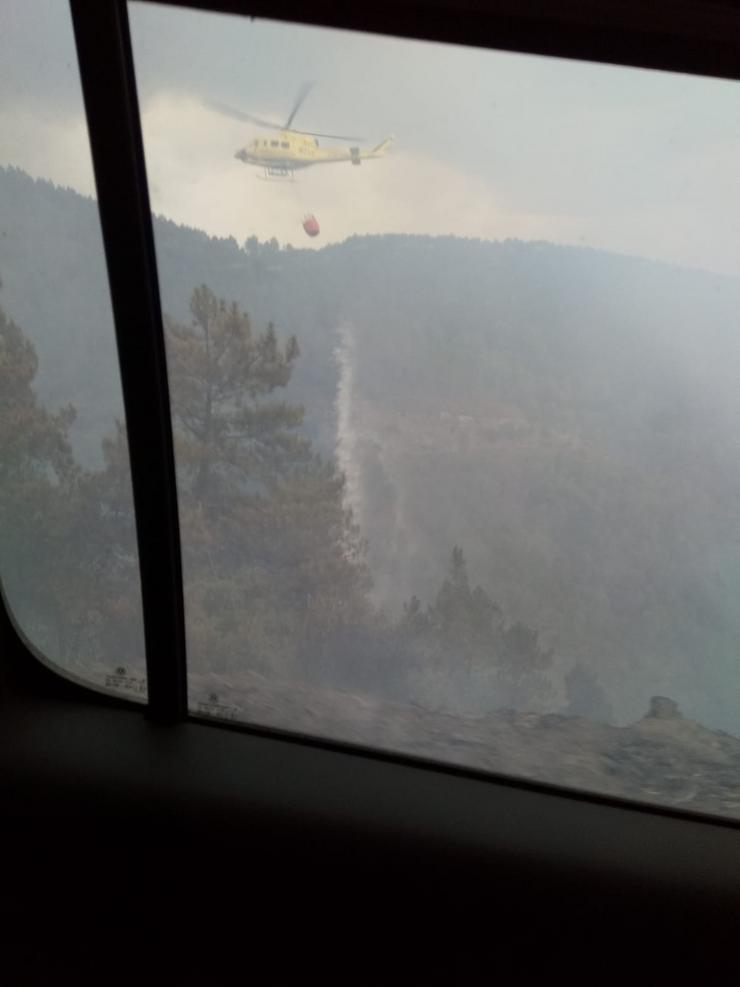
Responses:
[34,443]
[107,502]
[276,578]
[37,475]
[461,617]
[274,564]
[463,641]
[61,570]
[228,439]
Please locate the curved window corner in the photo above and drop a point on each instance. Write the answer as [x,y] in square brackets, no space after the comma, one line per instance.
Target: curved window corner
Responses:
[68,556]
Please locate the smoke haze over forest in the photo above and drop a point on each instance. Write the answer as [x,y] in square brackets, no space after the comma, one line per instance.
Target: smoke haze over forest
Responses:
[459,477]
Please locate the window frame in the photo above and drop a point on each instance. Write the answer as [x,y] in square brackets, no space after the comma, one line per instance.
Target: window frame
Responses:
[178,759]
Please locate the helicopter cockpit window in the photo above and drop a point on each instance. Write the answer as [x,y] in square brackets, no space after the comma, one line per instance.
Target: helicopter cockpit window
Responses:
[456,432]
[68,555]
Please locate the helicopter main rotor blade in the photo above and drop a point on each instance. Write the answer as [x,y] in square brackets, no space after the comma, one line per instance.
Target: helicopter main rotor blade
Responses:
[230,111]
[235,114]
[338,137]
[302,93]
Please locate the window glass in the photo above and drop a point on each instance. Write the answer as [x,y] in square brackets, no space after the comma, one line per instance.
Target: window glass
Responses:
[68,560]
[456,414]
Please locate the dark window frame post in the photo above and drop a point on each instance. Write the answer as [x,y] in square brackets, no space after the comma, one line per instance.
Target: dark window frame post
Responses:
[111,105]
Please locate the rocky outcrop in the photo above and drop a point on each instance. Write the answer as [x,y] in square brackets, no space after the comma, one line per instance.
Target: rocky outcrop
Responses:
[662,708]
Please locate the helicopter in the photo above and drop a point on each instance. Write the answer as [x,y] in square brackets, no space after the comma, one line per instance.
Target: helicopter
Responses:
[288,149]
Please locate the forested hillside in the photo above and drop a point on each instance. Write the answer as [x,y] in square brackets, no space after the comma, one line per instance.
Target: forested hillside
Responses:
[564,419]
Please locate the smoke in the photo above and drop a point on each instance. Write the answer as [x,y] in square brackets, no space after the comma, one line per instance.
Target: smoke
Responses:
[372,460]
[347,440]
[195,180]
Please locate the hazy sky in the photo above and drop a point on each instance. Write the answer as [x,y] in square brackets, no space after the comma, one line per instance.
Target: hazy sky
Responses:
[488,144]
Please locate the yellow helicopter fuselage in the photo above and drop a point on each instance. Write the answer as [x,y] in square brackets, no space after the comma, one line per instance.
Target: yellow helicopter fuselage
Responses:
[284,151]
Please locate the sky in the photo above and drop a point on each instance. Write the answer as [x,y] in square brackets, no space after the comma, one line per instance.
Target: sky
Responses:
[488,144]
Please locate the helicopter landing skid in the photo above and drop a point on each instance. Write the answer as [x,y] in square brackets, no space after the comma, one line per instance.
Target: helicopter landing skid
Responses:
[277,175]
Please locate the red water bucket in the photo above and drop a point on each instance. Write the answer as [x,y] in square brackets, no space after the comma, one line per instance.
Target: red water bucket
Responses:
[311,225]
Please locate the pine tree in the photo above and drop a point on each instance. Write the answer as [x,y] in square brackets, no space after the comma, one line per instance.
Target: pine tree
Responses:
[219,373]
[467,617]
[462,644]
[274,565]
